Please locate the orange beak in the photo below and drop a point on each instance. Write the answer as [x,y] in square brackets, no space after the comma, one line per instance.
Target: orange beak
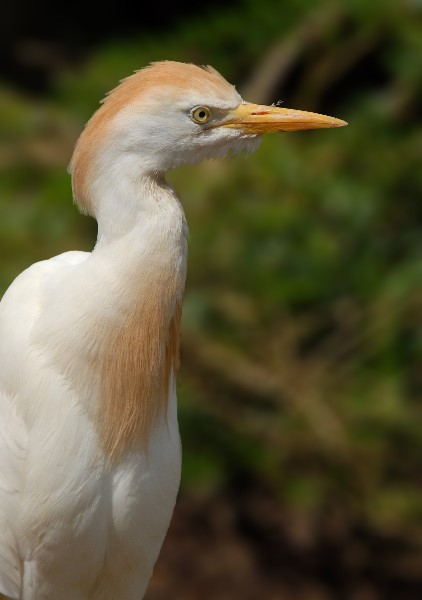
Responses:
[255,118]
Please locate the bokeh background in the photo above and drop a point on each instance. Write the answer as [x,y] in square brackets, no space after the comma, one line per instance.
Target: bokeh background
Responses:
[300,389]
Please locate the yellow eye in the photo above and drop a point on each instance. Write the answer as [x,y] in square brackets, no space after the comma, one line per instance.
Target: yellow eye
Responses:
[201,114]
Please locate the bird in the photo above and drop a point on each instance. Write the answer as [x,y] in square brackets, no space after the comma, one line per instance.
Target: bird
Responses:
[90,452]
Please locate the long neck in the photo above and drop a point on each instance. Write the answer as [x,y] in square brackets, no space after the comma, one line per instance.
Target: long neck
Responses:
[127,330]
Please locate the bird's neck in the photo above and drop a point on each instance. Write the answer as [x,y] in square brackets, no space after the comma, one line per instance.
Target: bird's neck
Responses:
[144,244]
[125,204]
[134,281]
[142,238]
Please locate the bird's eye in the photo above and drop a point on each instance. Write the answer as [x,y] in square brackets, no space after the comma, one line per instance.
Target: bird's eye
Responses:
[201,114]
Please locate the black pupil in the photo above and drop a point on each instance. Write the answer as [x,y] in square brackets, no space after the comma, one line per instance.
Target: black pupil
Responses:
[202,114]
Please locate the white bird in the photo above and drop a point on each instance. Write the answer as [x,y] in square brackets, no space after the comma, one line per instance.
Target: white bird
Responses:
[90,452]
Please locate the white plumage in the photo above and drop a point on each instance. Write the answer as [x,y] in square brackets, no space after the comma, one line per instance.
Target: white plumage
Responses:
[89,445]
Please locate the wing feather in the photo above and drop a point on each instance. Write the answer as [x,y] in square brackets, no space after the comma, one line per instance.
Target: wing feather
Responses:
[13,450]
[19,310]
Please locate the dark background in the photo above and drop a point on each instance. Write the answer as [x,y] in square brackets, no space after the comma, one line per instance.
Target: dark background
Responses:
[300,384]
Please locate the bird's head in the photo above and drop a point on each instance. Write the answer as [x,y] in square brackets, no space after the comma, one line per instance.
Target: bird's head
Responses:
[170,114]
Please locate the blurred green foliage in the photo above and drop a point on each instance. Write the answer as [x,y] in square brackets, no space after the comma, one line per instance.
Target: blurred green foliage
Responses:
[301,339]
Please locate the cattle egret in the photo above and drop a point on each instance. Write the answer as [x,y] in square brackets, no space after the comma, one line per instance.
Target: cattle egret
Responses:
[89,444]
